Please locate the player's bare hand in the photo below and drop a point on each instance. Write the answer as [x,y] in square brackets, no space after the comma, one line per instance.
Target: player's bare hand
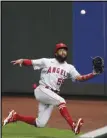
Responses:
[17,62]
[95,73]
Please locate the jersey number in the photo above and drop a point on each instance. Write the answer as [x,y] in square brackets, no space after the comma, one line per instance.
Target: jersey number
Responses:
[60,81]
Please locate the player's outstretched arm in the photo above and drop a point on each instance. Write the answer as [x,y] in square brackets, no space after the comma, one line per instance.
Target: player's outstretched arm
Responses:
[86,77]
[20,62]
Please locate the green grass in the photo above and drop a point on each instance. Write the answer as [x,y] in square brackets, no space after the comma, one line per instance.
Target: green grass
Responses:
[22,130]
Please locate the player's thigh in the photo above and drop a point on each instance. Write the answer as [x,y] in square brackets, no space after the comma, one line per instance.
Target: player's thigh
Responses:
[41,108]
[44,110]
[44,113]
[47,96]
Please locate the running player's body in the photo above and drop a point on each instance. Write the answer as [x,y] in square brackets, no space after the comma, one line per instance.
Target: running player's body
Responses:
[53,73]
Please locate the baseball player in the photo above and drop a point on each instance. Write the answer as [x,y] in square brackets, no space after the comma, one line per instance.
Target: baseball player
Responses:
[53,73]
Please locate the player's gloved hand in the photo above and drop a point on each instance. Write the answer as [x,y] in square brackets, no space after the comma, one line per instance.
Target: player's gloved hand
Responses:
[98,65]
[18,61]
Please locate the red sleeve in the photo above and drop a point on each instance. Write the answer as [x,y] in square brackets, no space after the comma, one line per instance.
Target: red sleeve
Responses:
[27,62]
[87,77]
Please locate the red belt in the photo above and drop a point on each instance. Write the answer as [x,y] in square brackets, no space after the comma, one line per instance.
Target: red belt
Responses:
[51,89]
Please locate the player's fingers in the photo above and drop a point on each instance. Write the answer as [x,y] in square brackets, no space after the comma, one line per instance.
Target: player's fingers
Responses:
[13,61]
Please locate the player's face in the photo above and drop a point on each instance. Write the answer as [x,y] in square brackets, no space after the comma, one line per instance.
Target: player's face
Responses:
[62,52]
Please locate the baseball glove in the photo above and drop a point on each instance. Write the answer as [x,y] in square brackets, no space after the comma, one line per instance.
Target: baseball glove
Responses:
[98,64]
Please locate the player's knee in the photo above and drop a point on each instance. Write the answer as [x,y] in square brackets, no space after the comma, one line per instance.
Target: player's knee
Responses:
[40,123]
[62,104]
[62,100]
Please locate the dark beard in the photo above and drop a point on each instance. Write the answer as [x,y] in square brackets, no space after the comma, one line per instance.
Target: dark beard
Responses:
[60,58]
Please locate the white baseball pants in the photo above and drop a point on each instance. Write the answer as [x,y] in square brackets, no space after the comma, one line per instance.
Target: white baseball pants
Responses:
[47,100]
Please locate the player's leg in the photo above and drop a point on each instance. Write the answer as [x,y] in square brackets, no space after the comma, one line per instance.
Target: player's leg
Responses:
[14,116]
[44,113]
[47,96]
[75,126]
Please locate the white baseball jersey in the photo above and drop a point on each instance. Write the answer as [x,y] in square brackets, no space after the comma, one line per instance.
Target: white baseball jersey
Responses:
[54,73]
